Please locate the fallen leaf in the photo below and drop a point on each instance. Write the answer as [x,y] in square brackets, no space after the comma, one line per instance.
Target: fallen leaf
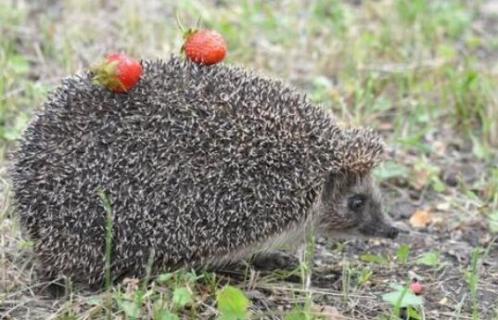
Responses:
[421,218]
[421,179]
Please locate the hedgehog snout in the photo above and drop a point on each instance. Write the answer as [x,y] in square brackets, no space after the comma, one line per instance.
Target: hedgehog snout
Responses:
[378,228]
[386,230]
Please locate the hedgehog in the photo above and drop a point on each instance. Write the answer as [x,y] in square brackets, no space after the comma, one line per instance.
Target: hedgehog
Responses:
[201,166]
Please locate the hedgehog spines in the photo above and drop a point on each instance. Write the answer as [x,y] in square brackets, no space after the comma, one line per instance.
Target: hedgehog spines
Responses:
[200,162]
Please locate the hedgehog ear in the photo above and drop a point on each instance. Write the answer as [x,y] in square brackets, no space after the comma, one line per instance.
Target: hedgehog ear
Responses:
[363,150]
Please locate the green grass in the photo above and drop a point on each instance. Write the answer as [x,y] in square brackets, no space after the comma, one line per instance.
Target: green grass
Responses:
[472,278]
[422,72]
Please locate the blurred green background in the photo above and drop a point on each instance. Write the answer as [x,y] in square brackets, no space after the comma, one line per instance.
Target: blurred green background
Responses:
[416,67]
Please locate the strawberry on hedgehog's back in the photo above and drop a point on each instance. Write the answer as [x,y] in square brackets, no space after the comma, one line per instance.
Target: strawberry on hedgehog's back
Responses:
[198,162]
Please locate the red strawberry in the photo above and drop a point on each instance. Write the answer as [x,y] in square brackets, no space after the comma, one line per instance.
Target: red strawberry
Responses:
[204,46]
[118,73]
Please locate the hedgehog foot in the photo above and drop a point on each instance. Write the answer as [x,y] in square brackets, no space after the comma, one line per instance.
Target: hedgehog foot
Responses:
[55,290]
[274,260]
[52,287]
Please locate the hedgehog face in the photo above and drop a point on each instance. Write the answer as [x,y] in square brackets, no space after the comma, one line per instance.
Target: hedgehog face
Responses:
[351,206]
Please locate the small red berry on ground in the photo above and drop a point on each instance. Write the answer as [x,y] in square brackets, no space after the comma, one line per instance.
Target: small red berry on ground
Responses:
[417,288]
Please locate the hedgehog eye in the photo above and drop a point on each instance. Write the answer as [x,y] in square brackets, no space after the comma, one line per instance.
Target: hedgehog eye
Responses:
[356,202]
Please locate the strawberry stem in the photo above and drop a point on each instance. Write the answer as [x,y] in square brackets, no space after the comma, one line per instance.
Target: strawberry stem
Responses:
[105,74]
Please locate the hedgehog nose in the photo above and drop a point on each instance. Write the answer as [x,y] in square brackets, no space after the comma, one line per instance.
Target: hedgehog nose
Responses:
[392,232]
